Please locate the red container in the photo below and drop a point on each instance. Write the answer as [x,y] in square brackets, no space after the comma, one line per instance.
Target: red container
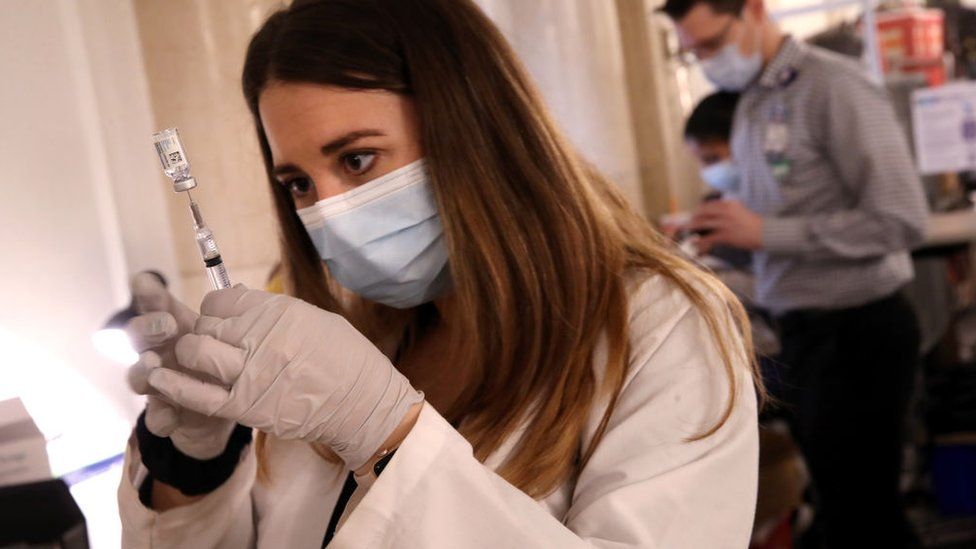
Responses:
[910,36]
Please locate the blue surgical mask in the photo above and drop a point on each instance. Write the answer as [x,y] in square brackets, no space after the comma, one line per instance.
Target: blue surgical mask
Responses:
[730,70]
[383,240]
[722,176]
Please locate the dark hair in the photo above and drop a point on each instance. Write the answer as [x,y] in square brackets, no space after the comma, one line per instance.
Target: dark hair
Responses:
[508,187]
[678,9]
[711,120]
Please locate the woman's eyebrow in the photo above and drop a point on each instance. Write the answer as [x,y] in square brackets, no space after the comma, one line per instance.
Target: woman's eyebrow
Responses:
[331,148]
[337,144]
[284,169]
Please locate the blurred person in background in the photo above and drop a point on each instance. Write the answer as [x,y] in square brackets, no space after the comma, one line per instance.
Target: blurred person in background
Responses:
[783,476]
[830,205]
[708,132]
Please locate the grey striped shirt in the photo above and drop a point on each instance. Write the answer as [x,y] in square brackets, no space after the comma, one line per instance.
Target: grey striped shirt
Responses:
[836,185]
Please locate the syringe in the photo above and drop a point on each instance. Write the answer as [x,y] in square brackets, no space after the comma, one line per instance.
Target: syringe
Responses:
[208,248]
[176,165]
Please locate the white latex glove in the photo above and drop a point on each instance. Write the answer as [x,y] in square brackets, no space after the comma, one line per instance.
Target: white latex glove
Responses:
[290,369]
[162,320]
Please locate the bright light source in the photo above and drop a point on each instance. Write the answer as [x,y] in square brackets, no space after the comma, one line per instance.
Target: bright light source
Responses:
[82,425]
[114,344]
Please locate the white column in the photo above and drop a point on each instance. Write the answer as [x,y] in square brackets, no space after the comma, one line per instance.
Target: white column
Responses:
[114,72]
[572,49]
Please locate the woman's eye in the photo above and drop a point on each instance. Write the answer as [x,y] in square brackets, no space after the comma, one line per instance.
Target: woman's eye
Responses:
[299,186]
[358,163]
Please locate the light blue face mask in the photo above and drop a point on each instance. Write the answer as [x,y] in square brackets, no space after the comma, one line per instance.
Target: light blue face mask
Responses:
[722,176]
[383,240]
[730,70]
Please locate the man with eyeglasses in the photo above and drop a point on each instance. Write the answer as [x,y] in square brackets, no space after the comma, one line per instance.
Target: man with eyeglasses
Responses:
[830,203]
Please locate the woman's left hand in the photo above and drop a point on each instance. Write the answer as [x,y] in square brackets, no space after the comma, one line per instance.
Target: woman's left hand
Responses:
[283,366]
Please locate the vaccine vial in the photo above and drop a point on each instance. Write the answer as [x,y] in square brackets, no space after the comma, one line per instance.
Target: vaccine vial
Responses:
[172,156]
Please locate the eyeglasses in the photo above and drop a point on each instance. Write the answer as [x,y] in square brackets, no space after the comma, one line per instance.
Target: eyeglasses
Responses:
[708,47]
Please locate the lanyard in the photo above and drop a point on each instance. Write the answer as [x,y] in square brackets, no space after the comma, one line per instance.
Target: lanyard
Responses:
[776,141]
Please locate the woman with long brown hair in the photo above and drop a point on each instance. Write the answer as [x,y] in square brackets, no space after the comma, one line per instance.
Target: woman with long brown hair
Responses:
[482,344]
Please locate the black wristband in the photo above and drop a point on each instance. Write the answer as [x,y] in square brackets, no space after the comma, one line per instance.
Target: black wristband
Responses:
[191,476]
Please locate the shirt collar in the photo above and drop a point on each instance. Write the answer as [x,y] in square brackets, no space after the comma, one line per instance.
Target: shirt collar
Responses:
[782,69]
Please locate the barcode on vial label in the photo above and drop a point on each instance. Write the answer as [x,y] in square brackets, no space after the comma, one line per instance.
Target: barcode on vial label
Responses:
[168,149]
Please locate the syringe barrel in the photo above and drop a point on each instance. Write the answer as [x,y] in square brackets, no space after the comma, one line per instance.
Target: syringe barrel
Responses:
[219,279]
[216,271]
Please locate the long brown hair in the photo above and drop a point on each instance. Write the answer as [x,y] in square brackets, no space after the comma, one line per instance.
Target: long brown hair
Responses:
[540,244]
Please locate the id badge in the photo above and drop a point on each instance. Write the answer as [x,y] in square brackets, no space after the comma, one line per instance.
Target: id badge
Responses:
[777,141]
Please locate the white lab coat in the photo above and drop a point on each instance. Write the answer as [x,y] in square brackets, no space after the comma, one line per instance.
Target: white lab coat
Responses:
[645,485]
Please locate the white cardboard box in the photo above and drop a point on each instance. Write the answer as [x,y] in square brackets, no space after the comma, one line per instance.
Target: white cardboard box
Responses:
[944,124]
[23,450]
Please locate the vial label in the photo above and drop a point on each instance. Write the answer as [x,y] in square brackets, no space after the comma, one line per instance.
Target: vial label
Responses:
[169,148]
[169,153]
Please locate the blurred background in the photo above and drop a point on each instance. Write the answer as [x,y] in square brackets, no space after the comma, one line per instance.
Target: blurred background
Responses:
[84,205]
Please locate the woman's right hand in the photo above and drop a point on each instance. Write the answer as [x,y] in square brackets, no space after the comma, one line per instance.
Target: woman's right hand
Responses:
[161,322]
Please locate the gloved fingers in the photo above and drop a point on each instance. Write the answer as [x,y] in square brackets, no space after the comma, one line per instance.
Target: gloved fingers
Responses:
[148,293]
[209,325]
[162,418]
[229,330]
[138,374]
[151,330]
[185,316]
[188,392]
[232,302]
[206,355]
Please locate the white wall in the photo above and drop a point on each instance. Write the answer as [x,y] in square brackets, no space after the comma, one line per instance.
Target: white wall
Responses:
[80,208]
[79,169]
[124,116]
